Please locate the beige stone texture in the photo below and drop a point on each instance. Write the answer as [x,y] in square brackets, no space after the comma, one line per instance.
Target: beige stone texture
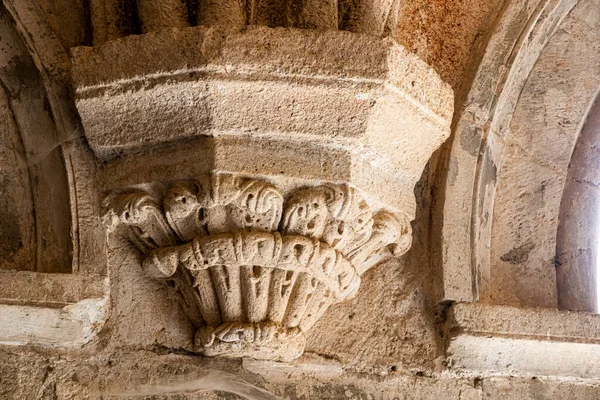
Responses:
[538,148]
[176,376]
[312,101]
[522,133]
[43,244]
[530,342]
[576,247]
[448,34]
[273,199]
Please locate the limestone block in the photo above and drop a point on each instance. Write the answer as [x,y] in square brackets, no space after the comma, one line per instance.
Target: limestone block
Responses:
[525,342]
[373,111]
[49,290]
[70,327]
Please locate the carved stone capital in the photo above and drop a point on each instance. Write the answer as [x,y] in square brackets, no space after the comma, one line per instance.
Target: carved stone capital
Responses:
[255,264]
[256,271]
[298,104]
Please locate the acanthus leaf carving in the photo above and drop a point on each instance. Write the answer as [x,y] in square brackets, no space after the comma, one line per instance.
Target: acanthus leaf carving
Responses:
[255,273]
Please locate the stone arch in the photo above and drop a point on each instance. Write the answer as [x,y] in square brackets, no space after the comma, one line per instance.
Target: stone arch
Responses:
[44,43]
[56,289]
[43,242]
[506,157]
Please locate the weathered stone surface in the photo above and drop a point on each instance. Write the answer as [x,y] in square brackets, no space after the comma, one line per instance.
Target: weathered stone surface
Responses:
[175,91]
[472,168]
[156,376]
[255,274]
[37,237]
[254,88]
[538,145]
[515,140]
[70,327]
[576,239]
[17,226]
[535,342]
[449,35]
[24,287]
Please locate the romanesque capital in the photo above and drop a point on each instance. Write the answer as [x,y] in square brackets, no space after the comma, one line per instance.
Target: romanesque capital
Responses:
[254,271]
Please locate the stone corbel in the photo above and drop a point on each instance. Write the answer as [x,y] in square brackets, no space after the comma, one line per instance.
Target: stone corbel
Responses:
[319,138]
[254,271]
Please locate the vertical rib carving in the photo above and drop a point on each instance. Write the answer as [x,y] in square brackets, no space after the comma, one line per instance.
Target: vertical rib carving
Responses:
[227,282]
[222,12]
[282,284]
[314,14]
[255,275]
[209,306]
[189,296]
[303,290]
[255,291]
[155,15]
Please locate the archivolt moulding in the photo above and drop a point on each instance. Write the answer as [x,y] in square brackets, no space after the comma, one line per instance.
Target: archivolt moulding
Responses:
[477,151]
[255,272]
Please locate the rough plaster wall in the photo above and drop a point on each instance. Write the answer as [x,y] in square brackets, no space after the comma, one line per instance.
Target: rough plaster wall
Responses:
[387,327]
[145,313]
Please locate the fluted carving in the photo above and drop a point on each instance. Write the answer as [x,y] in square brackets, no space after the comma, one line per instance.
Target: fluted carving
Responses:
[116,18]
[255,272]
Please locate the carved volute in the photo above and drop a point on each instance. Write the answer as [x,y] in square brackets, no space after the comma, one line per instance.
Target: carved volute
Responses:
[254,271]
